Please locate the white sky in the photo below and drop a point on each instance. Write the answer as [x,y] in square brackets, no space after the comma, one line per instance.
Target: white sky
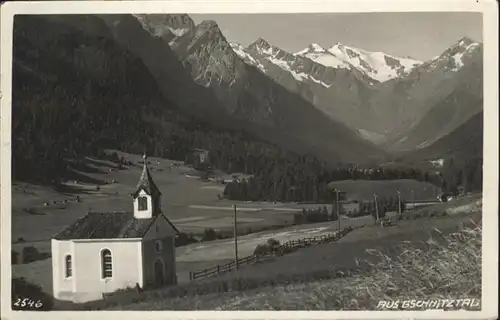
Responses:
[421,35]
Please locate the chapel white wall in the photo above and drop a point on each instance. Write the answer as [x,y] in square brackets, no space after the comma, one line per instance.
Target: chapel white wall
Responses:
[88,284]
[61,285]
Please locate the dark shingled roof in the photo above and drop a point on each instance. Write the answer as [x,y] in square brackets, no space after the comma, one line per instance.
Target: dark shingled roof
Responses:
[146,182]
[106,225]
[109,225]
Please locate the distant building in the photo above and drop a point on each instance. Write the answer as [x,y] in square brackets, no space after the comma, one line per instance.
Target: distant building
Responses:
[106,251]
[202,155]
[342,196]
[349,207]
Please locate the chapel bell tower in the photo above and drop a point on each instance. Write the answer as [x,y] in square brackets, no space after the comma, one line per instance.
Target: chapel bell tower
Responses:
[146,195]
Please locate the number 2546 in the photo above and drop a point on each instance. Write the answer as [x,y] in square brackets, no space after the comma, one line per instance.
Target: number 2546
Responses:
[27,302]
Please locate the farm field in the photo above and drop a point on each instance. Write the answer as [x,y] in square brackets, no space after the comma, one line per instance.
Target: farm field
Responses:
[192,205]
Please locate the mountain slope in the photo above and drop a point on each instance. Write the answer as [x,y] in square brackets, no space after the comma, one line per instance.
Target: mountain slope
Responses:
[71,91]
[456,72]
[250,96]
[338,82]
[337,92]
[465,142]
[459,155]
[76,91]
[446,116]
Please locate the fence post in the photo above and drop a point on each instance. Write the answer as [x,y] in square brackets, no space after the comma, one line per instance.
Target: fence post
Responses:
[218,269]
[190,276]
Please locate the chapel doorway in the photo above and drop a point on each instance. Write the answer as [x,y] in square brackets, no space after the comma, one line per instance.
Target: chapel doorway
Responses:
[159,273]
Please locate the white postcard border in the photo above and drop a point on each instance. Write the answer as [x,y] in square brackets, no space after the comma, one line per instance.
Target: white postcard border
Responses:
[489,9]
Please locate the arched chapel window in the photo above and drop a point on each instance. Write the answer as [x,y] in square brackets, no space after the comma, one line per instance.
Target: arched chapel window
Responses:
[106,264]
[159,246]
[143,203]
[68,265]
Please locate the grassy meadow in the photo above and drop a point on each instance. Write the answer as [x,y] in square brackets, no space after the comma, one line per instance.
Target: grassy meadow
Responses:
[355,273]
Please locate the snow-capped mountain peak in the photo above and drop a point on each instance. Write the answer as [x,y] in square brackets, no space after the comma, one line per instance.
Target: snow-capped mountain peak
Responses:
[453,58]
[320,55]
[465,41]
[175,25]
[246,56]
[377,65]
[312,48]
[261,44]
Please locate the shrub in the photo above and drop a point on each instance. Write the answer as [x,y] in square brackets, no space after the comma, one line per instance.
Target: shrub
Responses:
[30,254]
[261,249]
[209,235]
[184,239]
[273,242]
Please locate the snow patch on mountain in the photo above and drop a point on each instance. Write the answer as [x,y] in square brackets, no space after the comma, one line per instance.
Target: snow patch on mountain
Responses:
[320,82]
[374,137]
[245,56]
[320,55]
[458,57]
[377,65]
[271,54]
[453,57]
[312,48]
[159,29]
[300,76]
[179,32]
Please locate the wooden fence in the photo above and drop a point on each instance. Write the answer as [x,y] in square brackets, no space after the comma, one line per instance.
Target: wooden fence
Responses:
[287,247]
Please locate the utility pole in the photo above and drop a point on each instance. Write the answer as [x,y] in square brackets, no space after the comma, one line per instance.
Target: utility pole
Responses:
[337,207]
[399,203]
[338,210]
[413,200]
[376,206]
[235,237]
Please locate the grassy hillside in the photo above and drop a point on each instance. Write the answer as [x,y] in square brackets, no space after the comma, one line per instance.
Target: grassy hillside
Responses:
[425,259]
[410,275]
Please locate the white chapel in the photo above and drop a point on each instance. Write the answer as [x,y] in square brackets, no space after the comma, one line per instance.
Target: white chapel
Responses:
[106,251]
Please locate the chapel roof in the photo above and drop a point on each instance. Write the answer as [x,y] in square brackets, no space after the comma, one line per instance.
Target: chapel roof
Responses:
[109,225]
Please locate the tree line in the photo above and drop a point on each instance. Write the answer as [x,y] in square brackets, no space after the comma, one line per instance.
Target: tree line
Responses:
[305,179]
